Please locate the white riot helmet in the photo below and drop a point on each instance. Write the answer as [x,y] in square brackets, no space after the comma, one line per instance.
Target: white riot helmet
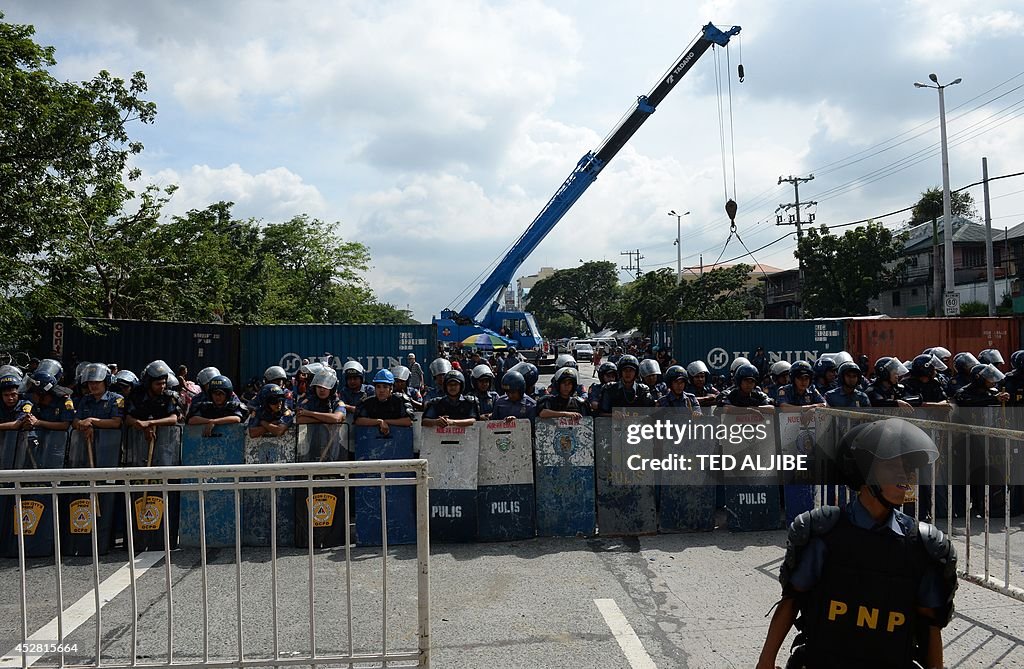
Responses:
[737,363]
[696,367]
[649,366]
[275,374]
[206,374]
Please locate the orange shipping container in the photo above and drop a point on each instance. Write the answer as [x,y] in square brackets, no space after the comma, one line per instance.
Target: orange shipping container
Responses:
[908,337]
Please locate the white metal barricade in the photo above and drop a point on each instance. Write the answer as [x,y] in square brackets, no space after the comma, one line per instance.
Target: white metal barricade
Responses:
[998,443]
[279,634]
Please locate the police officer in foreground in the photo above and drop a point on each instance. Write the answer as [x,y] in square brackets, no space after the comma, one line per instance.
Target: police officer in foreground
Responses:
[699,384]
[483,383]
[454,409]
[515,403]
[565,403]
[222,406]
[886,390]
[321,403]
[982,391]
[627,391]
[271,417]
[923,381]
[152,405]
[1013,384]
[353,389]
[386,409]
[746,394]
[676,396]
[963,363]
[872,587]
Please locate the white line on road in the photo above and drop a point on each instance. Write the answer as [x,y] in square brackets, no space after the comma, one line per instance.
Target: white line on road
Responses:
[629,642]
[84,608]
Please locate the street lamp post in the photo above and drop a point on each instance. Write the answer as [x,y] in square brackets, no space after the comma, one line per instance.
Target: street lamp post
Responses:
[947,217]
[679,244]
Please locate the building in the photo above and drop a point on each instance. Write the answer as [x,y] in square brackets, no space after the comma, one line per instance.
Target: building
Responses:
[525,283]
[916,295]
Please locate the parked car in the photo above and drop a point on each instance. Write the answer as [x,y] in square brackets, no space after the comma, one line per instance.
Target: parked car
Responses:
[583,352]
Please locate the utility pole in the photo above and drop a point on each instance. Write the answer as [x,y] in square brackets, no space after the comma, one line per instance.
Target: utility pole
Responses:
[990,271]
[633,265]
[795,219]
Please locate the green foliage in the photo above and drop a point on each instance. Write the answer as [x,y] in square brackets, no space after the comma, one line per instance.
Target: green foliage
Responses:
[560,327]
[929,207]
[79,242]
[719,294]
[589,294]
[841,274]
[973,309]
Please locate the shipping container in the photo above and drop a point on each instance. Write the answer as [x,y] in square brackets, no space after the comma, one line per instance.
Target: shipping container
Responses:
[718,343]
[134,344]
[374,346]
[906,338]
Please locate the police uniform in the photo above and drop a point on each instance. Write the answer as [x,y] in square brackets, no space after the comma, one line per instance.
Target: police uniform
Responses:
[838,397]
[684,401]
[707,390]
[312,402]
[572,403]
[59,410]
[618,395]
[283,417]
[736,398]
[109,405]
[486,400]
[395,407]
[431,394]
[956,383]
[144,406]
[929,391]
[207,409]
[1014,385]
[526,407]
[881,396]
[823,387]
[788,394]
[353,397]
[976,395]
[465,406]
[858,585]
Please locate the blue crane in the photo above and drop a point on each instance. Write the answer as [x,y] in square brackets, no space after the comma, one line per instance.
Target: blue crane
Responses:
[521,328]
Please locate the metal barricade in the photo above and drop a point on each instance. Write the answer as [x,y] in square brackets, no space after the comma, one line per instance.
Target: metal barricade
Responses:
[198,632]
[997,443]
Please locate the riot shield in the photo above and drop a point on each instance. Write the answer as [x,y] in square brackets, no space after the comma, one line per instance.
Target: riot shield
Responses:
[625,500]
[319,442]
[797,437]
[751,506]
[256,525]
[78,521]
[564,476]
[505,482]
[400,500]
[453,458]
[686,500]
[224,446]
[149,511]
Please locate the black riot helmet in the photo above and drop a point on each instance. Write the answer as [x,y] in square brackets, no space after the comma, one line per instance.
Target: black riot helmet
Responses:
[866,447]
[923,365]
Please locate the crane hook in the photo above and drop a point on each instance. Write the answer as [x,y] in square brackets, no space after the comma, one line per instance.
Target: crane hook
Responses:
[739,71]
[730,209]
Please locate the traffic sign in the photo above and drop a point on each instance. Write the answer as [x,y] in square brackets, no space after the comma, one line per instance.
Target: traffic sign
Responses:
[951,299]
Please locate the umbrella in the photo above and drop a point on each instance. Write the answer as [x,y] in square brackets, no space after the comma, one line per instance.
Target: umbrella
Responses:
[484,341]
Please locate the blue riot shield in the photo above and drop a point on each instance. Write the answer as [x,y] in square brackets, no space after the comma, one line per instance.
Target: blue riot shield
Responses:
[148,509]
[77,517]
[400,500]
[505,489]
[318,442]
[564,475]
[225,446]
[256,525]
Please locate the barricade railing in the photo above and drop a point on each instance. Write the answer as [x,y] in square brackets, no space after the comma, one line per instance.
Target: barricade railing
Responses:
[997,443]
[58,645]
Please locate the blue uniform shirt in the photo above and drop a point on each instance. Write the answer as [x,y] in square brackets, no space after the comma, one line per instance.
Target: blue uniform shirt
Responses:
[787,394]
[59,410]
[812,559]
[283,417]
[524,408]
[207,409]
[109,405]
[8,415]
[686,401]
[838,397]
[349,396]
[486,400]
[332,404]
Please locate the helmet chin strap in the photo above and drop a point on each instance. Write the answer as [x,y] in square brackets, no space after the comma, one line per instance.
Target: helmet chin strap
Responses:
[876,491]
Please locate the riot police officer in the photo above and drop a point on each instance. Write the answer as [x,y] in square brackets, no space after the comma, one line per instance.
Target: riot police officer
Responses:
[982,391]
[271,416]
[745,394]
[650,374]
[482,378]
[152,404]
[872,586]
[454,409]
[99,408]
[566,403]
[321,403]
[825,369]
[848,394]
[1013,383]
[699,386]
[530,376]
[515,403]
[606,373]
[276,374]
[736,364]
[923,382]
[14,411]
[627,391]
[125,382]
[52,407]
[203,379]
[386,409]
[438,368]
[800,394]
[885,390]
[675,379]
[222,406]
[963,363]
[403,376]
[353,389]
[992,356]
[779,374]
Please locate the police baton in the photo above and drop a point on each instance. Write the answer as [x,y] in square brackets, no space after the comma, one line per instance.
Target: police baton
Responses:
[92,465]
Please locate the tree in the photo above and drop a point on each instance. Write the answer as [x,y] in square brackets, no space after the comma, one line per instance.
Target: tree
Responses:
[560,327]
[841,274]
[719,294]
[929,207]
[589,294]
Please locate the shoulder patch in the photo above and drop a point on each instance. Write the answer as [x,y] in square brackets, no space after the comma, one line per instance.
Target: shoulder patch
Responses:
[119,402]
[27,407]
[68,404]
[287,412]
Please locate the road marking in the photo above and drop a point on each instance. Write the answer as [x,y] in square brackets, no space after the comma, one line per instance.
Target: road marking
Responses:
[629,642]
[85,608]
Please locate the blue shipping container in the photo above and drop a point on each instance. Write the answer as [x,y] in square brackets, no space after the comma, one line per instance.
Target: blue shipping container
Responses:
[718,343]
[374,346]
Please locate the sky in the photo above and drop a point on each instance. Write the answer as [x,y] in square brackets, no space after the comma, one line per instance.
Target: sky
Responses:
[434,132]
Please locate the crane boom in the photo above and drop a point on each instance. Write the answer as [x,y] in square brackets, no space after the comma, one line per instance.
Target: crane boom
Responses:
[584,174]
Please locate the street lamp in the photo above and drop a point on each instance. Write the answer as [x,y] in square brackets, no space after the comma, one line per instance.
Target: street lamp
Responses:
[679,244]
[947,218]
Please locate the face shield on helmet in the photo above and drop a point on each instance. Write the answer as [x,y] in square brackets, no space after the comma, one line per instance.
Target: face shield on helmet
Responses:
[841,357]
[939,352]
[51,367]
[938,364]
[353,368]
[737,363]
[172,382]
[964,362]
[401,373]
[989,373]
[696,367]
[80,371]
[779,368]
[325,378]
[991,356]
[206,374]
[440,366]
[96,371]
[649,367]
[565,360]
[529,372]
[566,373]
[885,367]
[275,374]
[158,369]
[923,365]
[866,450]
